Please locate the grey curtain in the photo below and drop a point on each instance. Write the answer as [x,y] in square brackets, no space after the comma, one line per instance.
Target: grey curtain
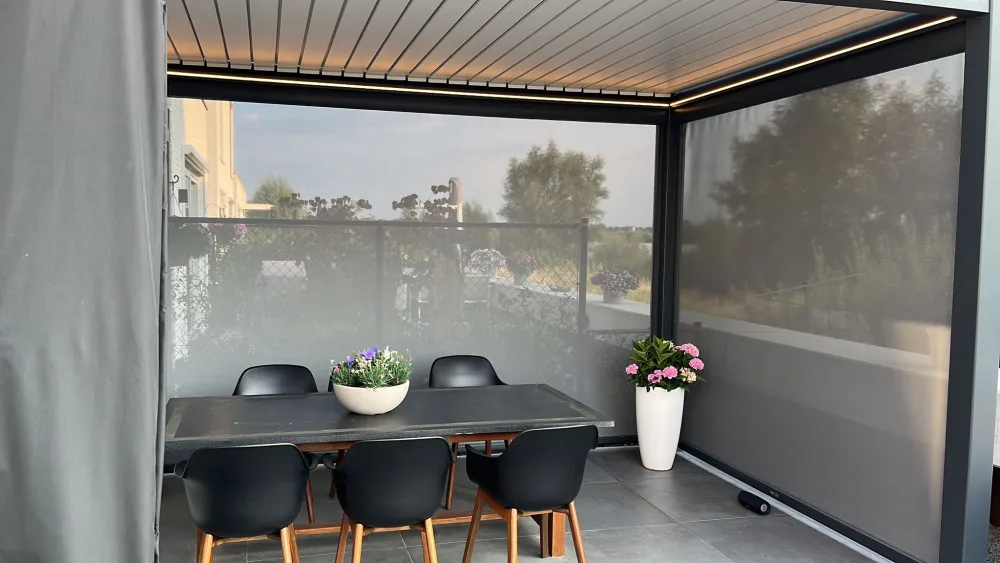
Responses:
[82,96]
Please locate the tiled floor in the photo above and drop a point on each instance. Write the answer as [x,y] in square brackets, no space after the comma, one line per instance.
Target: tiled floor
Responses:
[628,515]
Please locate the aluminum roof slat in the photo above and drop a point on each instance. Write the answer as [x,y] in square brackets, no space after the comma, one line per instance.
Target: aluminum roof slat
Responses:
[497,30]
[172,55]
[626,47]
[206,27]
[321,28]
[264,32]
[803,39]
[352,22]
[578,12]
[584,38]
[236,30]
[382,21]
[464,29]
[542,15]
[294,21]
[408,27]
[183,35]
[708,14]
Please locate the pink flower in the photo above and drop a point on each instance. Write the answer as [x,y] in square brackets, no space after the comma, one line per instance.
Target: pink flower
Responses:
[652,378]
[670,372]
[690,349]
[697,364]
[632,369]
[658,373]
[336,369]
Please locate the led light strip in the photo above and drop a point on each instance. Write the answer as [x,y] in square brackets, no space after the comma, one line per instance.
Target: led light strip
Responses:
[413,90]
[813,60]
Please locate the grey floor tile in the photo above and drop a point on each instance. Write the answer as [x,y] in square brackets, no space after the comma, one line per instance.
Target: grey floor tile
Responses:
[602,506]
[647,544]
[594,473]
[178,532]
[772,539]
[690,498]
[624,464]
[490,551]
[398,555]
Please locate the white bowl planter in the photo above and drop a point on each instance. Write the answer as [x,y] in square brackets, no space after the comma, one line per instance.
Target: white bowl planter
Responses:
[371,401]
[658,414]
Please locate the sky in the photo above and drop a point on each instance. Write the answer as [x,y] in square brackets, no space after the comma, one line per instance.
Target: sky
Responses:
[382,156]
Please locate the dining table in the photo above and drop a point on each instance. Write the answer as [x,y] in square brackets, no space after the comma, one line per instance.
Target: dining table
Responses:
[318,422]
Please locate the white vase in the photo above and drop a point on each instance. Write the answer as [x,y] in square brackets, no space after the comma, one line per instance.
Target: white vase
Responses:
[658,414]
[363,400]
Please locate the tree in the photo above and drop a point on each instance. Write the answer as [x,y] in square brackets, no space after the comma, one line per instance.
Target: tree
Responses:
[278,192]
[474,212]
[549,185]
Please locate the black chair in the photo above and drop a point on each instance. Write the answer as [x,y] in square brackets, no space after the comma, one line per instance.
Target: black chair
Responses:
[239,493]
[390,485]
[462,371]
[280,379]
[539,475]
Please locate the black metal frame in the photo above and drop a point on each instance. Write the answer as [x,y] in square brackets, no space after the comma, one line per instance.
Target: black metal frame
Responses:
[974,353]
[975,346]
[975,331]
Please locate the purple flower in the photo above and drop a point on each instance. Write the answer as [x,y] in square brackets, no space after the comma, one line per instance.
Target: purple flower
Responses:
[350,360]
[369,353]
[241,230]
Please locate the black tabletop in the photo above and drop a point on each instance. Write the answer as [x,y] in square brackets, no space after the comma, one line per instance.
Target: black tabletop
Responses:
[199,422]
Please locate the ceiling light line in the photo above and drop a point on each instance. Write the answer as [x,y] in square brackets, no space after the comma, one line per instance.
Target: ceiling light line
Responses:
[814,60]
[411,90]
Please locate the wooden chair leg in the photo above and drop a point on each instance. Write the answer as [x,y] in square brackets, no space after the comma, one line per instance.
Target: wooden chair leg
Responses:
[333,486]
[431,548]
[545,535]
[574,526]
[287,550]
[359,535]
[477,514]
[345,530]
[425,545]
[207,544]
[506,443]
[511,536]
[451,477]
[310,511]
[489,447]
[199,541]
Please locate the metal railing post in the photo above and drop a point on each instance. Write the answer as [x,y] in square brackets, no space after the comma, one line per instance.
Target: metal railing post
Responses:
[581,311]
[380,283]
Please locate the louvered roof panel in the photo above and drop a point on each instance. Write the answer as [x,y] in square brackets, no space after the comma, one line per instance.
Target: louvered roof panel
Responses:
[650,47]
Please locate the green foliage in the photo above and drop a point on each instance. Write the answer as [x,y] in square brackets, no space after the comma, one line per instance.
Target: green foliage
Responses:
[617,253]
[658,363]
[277,191]
[552,186]
[474,212]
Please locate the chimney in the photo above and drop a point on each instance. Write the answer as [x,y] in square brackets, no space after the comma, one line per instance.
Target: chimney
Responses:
[455,199]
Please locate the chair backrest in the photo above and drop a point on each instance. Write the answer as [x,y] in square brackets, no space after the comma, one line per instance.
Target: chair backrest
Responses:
[463,371]
[276,379]
[543,469]
[245,491]
[388,483]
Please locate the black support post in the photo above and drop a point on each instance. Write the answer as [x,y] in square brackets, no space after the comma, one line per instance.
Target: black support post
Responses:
[581,305]
[975,322]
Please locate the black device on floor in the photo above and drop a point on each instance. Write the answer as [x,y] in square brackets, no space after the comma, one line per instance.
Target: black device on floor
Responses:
[754,503]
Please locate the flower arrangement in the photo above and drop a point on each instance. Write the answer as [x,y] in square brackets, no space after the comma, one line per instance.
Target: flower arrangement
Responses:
[372,368]
[659,363]
[614,283]
[521,264]
[487,260]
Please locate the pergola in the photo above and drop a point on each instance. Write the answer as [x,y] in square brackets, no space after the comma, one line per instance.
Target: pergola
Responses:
[84,90]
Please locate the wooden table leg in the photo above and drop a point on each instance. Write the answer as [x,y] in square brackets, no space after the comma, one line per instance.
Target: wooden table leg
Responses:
[553,535]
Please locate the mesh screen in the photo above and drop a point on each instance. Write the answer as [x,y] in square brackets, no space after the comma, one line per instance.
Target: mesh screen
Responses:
[816,274]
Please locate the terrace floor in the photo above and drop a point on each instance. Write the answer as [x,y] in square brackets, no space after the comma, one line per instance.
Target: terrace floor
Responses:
[628,514]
